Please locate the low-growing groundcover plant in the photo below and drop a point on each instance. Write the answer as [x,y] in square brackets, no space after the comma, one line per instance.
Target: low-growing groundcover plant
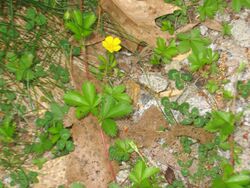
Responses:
[112,103]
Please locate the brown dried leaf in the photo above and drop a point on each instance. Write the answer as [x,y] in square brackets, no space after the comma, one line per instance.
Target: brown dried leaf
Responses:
[213,24]
[137,17]
[169,175]
[133,90]
[88,163]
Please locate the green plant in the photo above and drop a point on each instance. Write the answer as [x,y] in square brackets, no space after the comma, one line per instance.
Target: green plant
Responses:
[185,167]
[24,67]
[237,5]
[112,103]
[107,67]
[23,179]
[226,29]
[79,23]
[8,33]
[186,144]
[212,86]
[232,179]
[167,26]
[192,41]
[190,116]
[209,8]
[54,136]
[206,56]
[7,130]
[162,52]
[176,184]
[178,18]
[222,122]
[59,73]
[34,19]
[9,158]
[143,176]
[179,77]
[243,88]
[113,185]
[121,150]
[77,185]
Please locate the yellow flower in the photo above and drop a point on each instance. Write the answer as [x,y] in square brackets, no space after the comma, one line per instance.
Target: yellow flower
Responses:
[111,44]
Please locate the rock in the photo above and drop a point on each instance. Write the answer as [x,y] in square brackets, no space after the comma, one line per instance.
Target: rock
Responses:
[241,32]
[191,96]
[154,81]
[203,30]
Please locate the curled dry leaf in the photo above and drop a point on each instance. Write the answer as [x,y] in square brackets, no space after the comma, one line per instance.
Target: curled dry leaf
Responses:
[137,17]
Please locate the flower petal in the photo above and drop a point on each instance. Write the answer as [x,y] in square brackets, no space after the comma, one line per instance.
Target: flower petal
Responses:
[117,48]
[105,44]
[116,41]
[109,39]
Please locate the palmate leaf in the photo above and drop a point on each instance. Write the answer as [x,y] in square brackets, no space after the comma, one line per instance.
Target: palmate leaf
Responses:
[238,4]
[89,93]
[197,60]
[121,150]
[118,92]
[89,19]
[74,98]
[110,128]
[140,173]
[222,122]
[119,110]
[192,41]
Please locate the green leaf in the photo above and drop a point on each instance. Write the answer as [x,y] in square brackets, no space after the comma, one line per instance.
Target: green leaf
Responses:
[40,19]
[221,121]
[110,128]
[209,9]
[197,60]
[179,84]
[192,40]
[77,16]
[70,146]
[240,179]
[60,144]
[141,172]
[118,92]
[89,92]
[186,76]
[236,5]
[26,60]
[39,162]
[58,111]
[65,134]
[74,98]
[113,185]
[31,13]
[82,112]
[212,86]
[77,185]
[121,150]
[119,110]
[173,74]
[89,19]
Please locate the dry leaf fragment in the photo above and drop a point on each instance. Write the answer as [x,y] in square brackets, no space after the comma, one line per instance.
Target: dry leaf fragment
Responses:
[169,175]
[213,24]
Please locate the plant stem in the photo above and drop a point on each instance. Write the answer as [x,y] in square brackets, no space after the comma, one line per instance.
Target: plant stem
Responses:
[107,155]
